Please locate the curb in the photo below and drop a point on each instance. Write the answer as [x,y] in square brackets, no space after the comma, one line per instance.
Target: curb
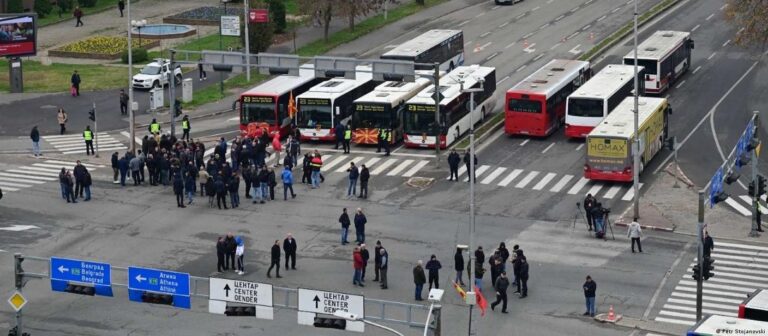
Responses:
[647,227]
[205,115]
[479,140]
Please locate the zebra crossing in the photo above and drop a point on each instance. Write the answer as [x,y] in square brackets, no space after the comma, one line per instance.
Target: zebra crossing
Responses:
[547,181]
[75,144]
[36,174]
[740,269]
[742,204]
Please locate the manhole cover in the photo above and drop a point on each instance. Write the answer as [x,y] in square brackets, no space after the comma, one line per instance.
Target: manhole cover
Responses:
[420,182]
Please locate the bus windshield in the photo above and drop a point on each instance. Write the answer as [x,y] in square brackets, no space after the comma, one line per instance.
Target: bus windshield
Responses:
[419,122]
[257,112]
[313,115]
[371,119]
[522,105]
[649,65]
[585,107]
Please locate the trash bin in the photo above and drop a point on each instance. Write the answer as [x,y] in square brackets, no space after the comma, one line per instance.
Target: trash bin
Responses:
[156,99]
[186,90]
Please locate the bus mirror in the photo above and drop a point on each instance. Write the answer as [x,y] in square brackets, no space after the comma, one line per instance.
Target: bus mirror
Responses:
[669,110]
[234,105]
[690,43]
[338,110]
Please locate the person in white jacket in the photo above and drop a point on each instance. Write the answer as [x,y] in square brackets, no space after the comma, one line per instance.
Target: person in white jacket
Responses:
[634,232]
[239,251]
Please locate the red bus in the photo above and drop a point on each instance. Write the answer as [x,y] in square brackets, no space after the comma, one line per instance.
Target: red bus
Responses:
[266,105]
[536,105]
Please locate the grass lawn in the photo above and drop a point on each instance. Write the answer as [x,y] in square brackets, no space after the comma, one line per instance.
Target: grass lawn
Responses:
[210,42]
[213,92]
[364,27]
[55,77]
[101,5]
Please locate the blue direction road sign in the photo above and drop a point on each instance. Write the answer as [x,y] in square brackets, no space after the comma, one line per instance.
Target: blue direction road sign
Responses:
[716,186]
[65,271]
[141,280]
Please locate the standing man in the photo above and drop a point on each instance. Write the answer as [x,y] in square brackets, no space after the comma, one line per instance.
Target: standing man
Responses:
[121,7]
[275,254]
[347,138]
[501,285]
[419,279]
[75,80]
[433,266]
[88,136]
[135,165]
[339,131]
[185,127]
[154,127]
[360,222]
[229,251]
[87,185]
[365,175]
[62,118]
[634,232]
[201,71]
[357,263]
[590,287]
[79,172]
[387,140]
[376,260]
[470,174]
[239,253]
[115,167]
[453,164]
[458,265]
[123,100]
[344,220]
[289,246]
[366,256]
[524,277]
[287,177]
[220,252]
[709,244]
[34,135]
[380,139]
[589,204]
[353,175]
[78,14]
[383,266]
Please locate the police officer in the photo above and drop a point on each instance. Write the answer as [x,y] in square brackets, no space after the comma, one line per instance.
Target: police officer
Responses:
[387,140]
[88,136]
[380,140]
[185,127]
[347,138]
[154,127]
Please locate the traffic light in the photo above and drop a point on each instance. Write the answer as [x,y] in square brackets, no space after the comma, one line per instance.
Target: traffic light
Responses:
[708,267]
[82,290]
[157,298]
[92,114]
[177,110]
[331,323]
[19,272]
[696,272]
[751,189]
[240,311]
[732,176]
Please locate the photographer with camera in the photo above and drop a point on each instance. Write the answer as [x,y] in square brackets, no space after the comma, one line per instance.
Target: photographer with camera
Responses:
[599,216]
[589,204]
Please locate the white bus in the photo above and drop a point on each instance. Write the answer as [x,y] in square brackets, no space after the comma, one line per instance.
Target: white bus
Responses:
[665,55]
[435,46]
[420,128]
[329,103]
[383,108]
[590,103]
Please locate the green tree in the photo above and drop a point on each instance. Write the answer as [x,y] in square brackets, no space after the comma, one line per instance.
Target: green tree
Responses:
[751,17]
[87,3]
[277,15]
[15,6]
[320,11]
[43,7]
[64,6]
[420,2]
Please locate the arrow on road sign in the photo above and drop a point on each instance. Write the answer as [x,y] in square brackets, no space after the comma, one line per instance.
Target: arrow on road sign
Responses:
[575,50]
[140,278]
[63,269]
[226,290]
[530,49]
[317,301]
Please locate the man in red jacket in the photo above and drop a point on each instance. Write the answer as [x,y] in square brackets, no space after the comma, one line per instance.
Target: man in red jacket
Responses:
[357,262]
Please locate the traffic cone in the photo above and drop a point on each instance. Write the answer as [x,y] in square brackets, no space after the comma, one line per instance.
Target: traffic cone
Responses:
[477,48]
[611,314]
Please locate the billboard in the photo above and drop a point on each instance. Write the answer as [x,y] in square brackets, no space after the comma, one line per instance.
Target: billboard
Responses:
[18,35]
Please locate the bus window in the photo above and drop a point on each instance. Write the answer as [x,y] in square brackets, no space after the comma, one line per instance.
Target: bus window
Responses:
[585,107]
[522,105]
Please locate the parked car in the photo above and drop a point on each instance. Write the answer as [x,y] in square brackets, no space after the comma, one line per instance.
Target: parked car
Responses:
[155,74]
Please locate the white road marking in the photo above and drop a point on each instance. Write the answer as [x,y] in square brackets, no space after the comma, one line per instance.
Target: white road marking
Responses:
[575,9]
[27,177]
[538,57]
[11,184]
[595,189]
[138,139]
[724,7]
[495,7]
[371,162]
[709,17]
[485,45]
[612,192]
[555,46]
[586,27]
[87,165]
[478,171]
[520,16]
[344,167]
[548,147]
[505,182]
[17,228]
[464,22]
[575,50]
[493,175]
[383,166]
[510,45]
[544,25]
[616,9]
[485,34]
[544,181]
[726,43]
[738,207]
[560,184]
[697,69]
[579,184]
[572,36]
[524,142]
[400,168]
[527,179]
[559,18]
[528,35]
[694,28]
[479,15]
[602,18]
[580,147]
[468,43]
[680,84]
[503,24]
[710,56]
[536,8]
[15,179]
[631,193]
[502,80]
[492,56]
[327,166]
[520,68]
[416,168]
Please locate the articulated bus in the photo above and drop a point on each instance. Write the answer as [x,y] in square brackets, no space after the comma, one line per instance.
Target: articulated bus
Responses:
[383,107]
[536,105]
[717,325]
[420,128]
[590,103]
[329,103]
[266,105]
[665,55]
[435,46]
[609,154]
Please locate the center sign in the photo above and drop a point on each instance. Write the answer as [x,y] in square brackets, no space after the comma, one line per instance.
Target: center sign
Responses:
[238,291]
[324,302]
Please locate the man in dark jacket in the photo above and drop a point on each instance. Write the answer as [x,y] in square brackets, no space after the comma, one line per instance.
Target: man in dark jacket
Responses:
[376,260]
[306,169]
[344,220]
[471,174]
[589,204]
[383,267]
[366,256]
[524,277]
[75,80]
[271,182]
[516,262]
[709,244]
[453,163]
[115,167]
[79,172]
[87,185]
[458,265]
[178,190]
[221,192]
[360,222]
[275,260]
[234,190]
[365,175]
[339,132]
[34,135]
[501,285]
[590,287]
[220,253]
[353,175]
[229,251]
[434,266]
[123,165]
[289,246]
[419,279]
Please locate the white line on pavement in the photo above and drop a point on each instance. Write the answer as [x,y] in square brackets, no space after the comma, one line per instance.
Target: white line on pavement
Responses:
[520,69]
[559,18]
[485,34]
[527,179]
[544,181]
[505,182]
[524,142]
[602,18]
[680,84]
[694,28]
[709,17]
[383,166]
[538,57]
[556,45]
[503,24]
[548,147]
[492,56]
[464,22]
[416,168]
[544,25]
[400,168]
[697,69]
[580,147]
[560,184]
[726,43]
[493,175]
[502,80]
[520,16]
[535,8]
[710,56]
[479,15]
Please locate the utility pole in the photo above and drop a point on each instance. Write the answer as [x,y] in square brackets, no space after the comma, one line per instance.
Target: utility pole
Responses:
[636,154]
[438,127]
[247,21]
[700,258]
[19,281]
[756,196]
[96,130]
[131,116]
[172,93]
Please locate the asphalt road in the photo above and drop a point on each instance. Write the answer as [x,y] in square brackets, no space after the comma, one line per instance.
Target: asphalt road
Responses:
[139,226]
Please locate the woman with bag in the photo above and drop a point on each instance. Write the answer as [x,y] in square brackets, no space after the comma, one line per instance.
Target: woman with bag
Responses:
[62,118]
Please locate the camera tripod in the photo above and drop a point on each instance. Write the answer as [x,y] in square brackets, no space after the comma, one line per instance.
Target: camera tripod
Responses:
[578,214]
[607,223]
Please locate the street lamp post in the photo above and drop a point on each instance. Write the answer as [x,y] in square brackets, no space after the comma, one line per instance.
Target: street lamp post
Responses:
[636,153]
[138,24]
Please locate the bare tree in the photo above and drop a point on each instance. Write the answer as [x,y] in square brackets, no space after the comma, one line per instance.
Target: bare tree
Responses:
[351,9]
[751,17]
[320,11]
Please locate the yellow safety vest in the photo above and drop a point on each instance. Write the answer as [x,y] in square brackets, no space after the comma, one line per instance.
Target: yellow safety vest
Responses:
[88,135]
[185,124]
[348,134]
[389,136]
[154,128]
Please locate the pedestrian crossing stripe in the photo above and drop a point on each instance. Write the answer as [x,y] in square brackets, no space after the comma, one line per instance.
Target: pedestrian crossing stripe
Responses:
[75,144]
[740,271]
[514,174]
[36,174]
[743,205]
[492,176]
[544,181]
[479,171]
[527,179]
